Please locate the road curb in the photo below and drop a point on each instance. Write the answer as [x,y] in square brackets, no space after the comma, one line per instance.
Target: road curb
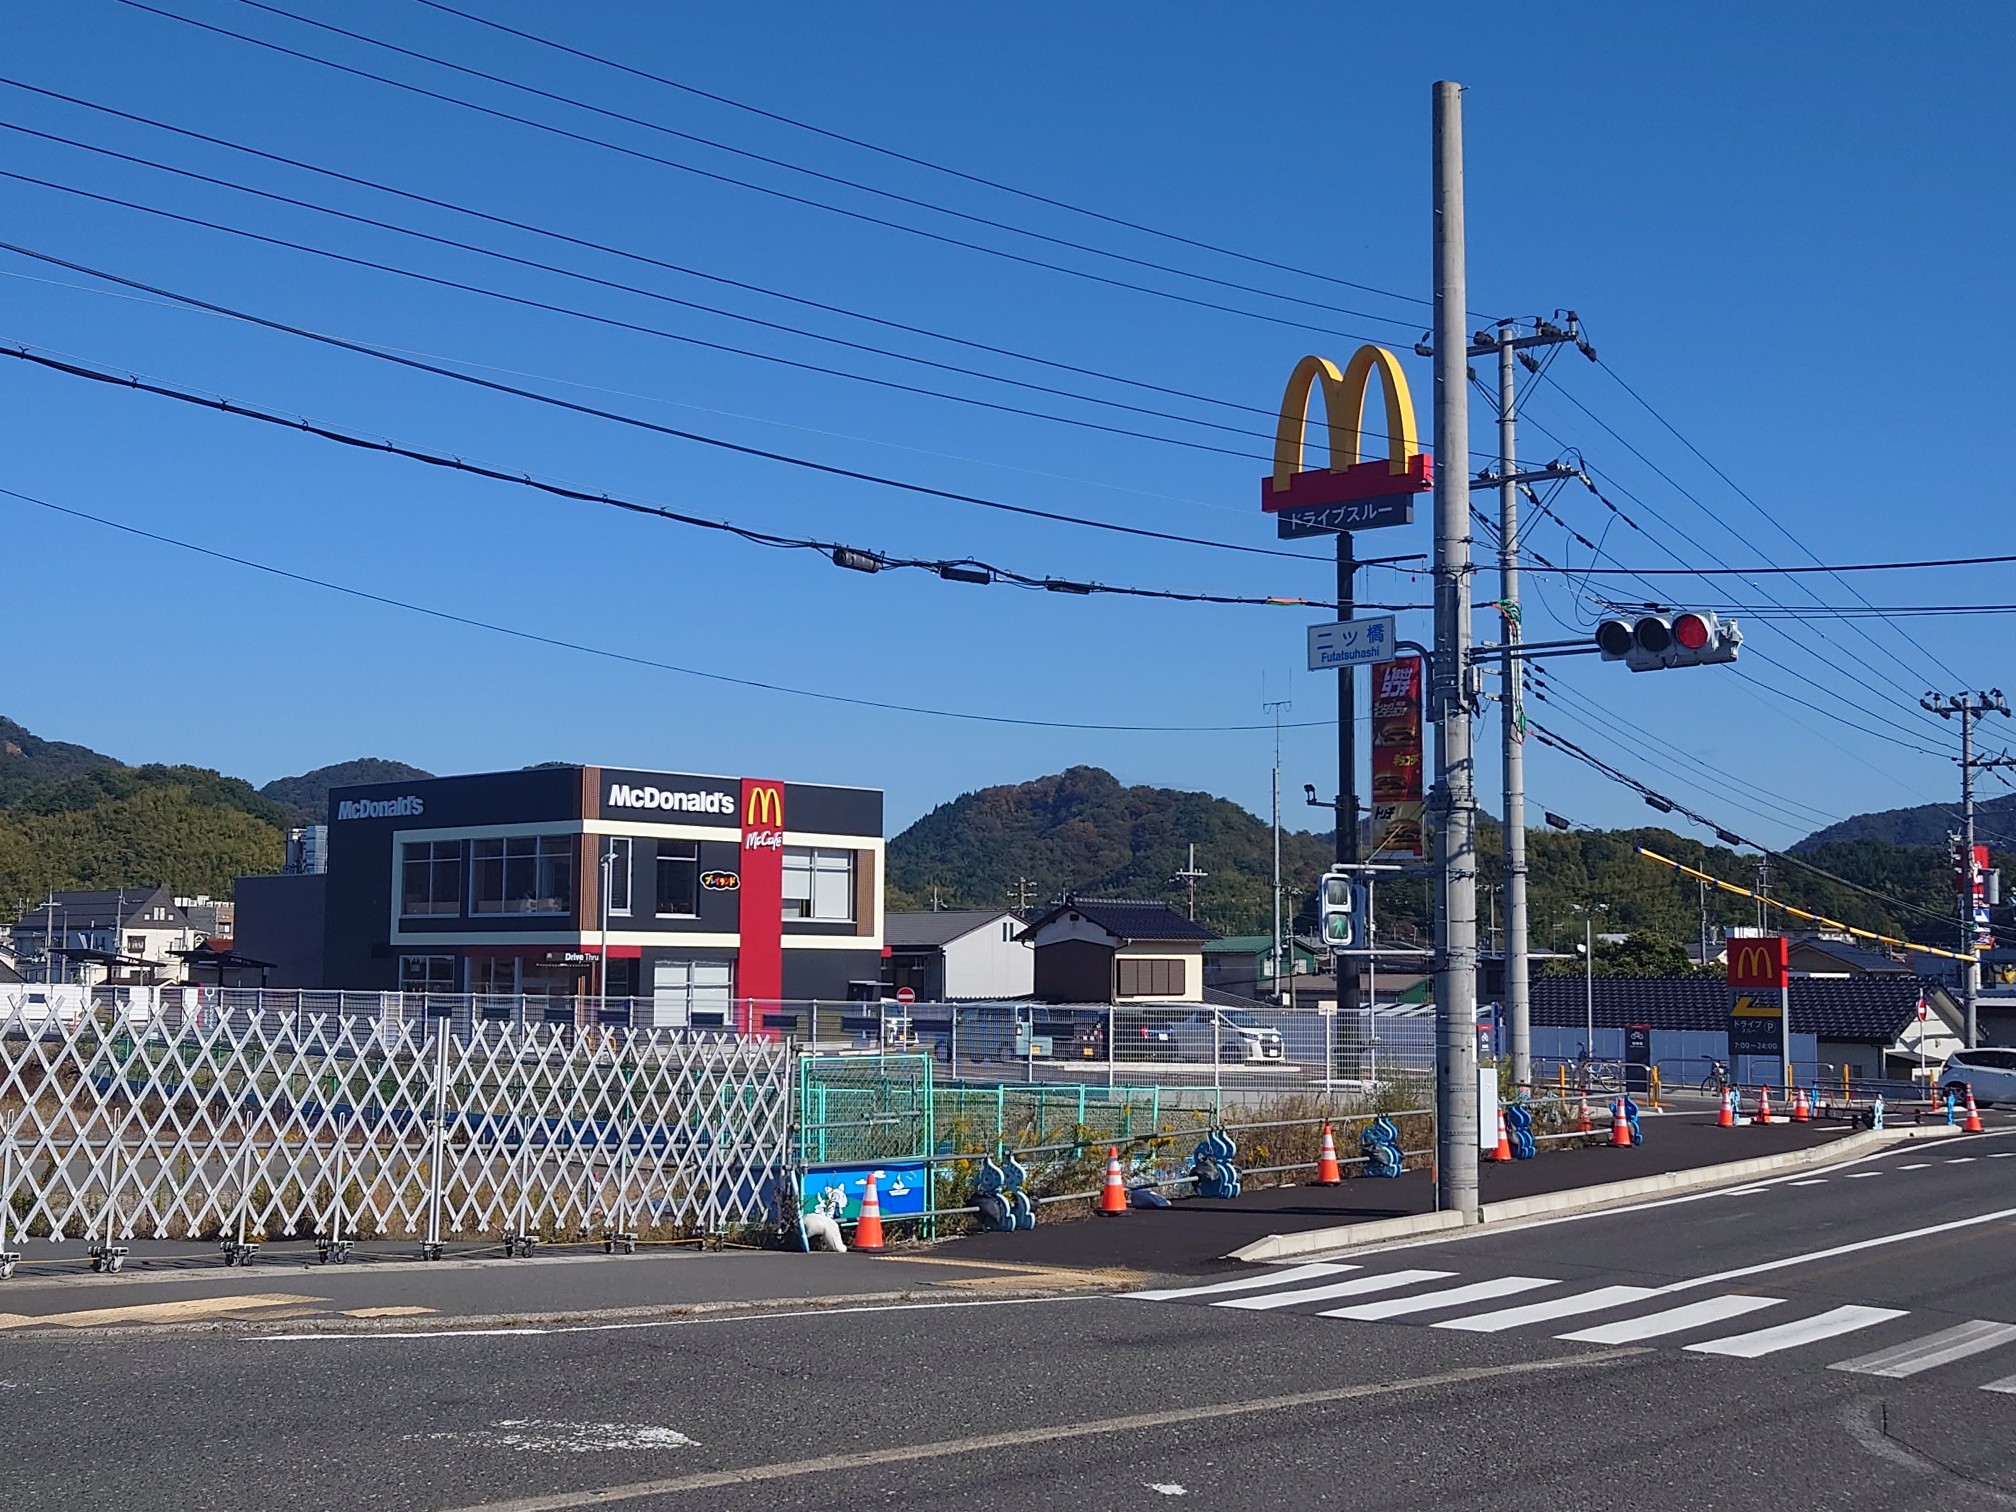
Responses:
[1278,1247]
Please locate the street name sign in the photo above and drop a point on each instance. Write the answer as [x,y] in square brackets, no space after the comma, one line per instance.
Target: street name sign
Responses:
[1350,643]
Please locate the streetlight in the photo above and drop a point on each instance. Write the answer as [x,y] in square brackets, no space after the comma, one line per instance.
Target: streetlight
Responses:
[1589,912]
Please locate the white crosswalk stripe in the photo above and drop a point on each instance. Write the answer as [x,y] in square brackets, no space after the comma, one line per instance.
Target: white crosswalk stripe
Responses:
[1941,1348]
[1826,1325]
[1673,1320]
[1359,1287]
[1287,1277]
[1454,1296]
[1602,1299]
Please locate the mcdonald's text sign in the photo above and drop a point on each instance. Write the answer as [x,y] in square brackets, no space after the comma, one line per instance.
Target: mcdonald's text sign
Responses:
[1759,961]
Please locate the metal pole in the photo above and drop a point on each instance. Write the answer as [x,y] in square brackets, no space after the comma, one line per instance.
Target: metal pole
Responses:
[1513,961]
[1785,1032]
[1347,755]
[1112,1027]
[1455,761]
[1275,952]
[1589,981]
[1970,971]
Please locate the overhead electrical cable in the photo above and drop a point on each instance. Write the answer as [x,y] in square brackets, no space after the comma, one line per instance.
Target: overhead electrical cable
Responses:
[959,569]
[647,260]
[559,643]
[618,417]
[652,157]
[637,327]
[919,162]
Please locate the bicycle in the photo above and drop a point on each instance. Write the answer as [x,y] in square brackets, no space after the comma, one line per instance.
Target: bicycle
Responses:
[1716,1082]
[1592,1075]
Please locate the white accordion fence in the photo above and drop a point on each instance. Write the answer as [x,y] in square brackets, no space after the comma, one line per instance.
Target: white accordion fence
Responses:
[174,1118]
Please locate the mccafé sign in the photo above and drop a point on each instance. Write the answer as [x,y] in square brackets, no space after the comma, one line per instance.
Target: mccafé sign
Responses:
[762,816]
[1760,961]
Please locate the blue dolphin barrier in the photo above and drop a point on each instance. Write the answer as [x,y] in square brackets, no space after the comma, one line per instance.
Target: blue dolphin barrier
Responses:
[998,1193]
[1211,1167]
[1519,1131]
[1380,1145]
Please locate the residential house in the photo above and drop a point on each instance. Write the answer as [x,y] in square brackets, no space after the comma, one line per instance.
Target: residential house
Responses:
[1244,964]
[1117,950]
[954,955]
[125,937]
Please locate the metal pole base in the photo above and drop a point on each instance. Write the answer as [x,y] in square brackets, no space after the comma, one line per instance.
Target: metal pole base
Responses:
[336,1250]
[237,1252]
[109,1259]
[430,1249]
[520,1246]
[615,1244]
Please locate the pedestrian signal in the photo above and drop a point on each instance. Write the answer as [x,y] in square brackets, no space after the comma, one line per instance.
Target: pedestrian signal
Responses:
[1339,909]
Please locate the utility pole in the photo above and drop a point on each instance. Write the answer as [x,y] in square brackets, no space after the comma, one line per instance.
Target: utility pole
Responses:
[1347,761]
[1511,344]
[1190,877]
[1970,707]
[1024,889]
[1277,708]
[1455,762]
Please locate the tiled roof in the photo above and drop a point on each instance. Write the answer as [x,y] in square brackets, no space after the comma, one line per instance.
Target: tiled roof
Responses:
[1875,1009]
[1130,919]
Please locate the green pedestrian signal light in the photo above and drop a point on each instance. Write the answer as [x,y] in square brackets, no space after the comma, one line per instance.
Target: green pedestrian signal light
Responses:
[1338,908]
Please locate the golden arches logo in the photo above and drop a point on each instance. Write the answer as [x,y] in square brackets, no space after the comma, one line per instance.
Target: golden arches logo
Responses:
[1405,469]
[764,808]
[1757,962]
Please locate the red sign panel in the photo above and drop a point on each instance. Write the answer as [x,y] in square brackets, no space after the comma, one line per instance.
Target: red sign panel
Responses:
[1397,756]
[759,967]
[1759,961]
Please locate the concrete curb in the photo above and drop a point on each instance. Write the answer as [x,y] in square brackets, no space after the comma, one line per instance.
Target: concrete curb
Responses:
[1277,1247]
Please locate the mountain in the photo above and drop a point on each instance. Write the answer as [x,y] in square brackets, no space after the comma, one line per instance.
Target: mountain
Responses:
[305,799]
[1081,831]
[28,762]
[1927,824]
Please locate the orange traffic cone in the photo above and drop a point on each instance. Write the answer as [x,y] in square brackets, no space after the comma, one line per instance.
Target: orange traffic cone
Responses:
[1328,1173]
[1726,1119]
[868,1230]
[1801,1112]
[1113,1197]
[1620,1127]
[1973,1124]
[1582,1123]
[1763,1113]
[1504,1150]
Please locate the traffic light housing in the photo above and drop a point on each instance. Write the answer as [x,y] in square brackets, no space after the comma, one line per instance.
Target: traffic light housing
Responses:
[1690,638]
[1338,910]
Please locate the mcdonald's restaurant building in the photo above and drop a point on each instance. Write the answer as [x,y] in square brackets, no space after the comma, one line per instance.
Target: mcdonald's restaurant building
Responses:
[699,899]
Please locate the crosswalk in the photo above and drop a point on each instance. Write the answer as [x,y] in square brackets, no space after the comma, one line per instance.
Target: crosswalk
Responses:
[1732,1325]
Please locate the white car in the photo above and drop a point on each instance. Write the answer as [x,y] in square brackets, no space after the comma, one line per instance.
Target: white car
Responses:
[1236,1035]
[1991,1073]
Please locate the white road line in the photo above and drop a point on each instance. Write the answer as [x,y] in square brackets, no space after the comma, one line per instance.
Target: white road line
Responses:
[1941,1348]
[1859,1175]
[1923,1165]
[2000,1215]
[1546,1312]
[1453,1296]
[1826,1325]
[2006,1384]
[2003,1155]
[1961,1160]
[1287,1277]
[1744,1191]
[1355,1288]
[1809,1181]
[1673,1320]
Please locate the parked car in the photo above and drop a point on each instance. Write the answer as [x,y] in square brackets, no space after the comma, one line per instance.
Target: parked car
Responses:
[1135,1039]
[1236,1035]
[1991,1073]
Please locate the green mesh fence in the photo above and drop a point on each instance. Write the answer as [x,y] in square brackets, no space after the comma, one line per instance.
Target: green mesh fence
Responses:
[864,1107]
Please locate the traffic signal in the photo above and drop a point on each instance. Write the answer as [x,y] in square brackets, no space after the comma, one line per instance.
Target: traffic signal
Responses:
[1691,638]
[1339,910]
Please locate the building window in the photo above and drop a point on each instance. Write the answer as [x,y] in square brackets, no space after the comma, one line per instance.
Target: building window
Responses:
[678,879]
[426,973]
[819,884]
[523,874]
[136,945]
[430,879]
[699,994]
[616,851]
[1151,978]
[494,976]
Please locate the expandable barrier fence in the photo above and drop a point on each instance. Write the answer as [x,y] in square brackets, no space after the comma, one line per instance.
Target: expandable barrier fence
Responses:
[197,1121]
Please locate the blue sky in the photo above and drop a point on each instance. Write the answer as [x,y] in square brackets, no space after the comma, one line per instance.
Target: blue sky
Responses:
[1782,225]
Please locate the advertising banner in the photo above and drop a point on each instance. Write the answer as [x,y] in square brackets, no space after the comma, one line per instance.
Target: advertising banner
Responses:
[1397,756]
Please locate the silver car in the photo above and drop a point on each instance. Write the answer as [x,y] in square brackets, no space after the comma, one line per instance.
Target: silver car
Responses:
[1236,1036]
[1991,1073]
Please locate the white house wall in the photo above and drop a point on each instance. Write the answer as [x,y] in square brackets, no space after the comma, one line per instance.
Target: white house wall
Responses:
[981,964]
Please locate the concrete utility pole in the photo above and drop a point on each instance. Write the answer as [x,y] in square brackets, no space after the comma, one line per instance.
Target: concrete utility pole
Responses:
[1455,762]
[1347,758]
[1277,707]
[1510,344]
[1970,707]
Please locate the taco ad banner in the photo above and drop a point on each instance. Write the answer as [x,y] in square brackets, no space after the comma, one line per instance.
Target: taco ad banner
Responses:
[1396,758]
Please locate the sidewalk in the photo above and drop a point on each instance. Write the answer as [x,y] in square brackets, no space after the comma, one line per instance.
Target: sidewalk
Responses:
[1194,1235]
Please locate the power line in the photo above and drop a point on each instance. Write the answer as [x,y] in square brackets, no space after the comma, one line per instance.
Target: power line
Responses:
[576,313]
[633,256]
[962,570]
[827,468]
[904,157]
[623,656]
[651,157]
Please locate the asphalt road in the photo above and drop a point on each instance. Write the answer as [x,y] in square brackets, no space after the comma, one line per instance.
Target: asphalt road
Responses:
[1119,1402]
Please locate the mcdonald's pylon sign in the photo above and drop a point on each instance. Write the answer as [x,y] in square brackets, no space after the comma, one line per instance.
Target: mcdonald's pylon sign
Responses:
[1355,491]
[1759,961]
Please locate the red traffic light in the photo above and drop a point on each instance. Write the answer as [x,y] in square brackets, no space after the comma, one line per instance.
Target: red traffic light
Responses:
[1693,631]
